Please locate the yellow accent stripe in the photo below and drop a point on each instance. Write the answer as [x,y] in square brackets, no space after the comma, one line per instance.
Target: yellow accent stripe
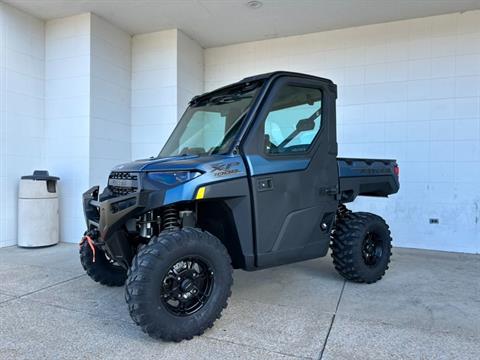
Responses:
[200,193]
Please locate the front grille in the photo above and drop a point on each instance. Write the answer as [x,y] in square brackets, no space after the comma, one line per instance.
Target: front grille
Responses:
[122,183]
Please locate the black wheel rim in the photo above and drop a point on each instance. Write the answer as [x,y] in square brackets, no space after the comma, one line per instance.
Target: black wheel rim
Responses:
[187,286]
[372,249]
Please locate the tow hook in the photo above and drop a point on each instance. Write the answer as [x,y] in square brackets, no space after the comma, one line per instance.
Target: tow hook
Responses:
[88,238]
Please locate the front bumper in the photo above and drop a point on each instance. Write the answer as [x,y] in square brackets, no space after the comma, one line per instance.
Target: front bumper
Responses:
[109,215]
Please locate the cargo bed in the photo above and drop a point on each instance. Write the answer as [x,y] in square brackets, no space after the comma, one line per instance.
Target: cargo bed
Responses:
[367,177]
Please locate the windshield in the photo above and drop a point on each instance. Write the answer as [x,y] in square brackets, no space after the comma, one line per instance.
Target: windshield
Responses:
[210,124]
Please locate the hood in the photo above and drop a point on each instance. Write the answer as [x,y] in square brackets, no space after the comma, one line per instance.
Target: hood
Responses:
[185,162]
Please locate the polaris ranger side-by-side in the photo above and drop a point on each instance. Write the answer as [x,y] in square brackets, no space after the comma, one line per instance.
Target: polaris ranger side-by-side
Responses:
[248,179]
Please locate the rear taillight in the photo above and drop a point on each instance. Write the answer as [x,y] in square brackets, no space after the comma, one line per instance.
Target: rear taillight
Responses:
[396,170]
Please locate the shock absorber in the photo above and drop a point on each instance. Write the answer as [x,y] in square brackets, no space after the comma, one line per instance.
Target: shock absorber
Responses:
[170,220]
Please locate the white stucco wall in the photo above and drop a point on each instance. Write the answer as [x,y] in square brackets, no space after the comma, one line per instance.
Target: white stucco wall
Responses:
[408,90]
[167,71]
[67,115]
[77,101]
[154,91]
[87,108]
[78,95]
[189,71]
[22,61]
[110,80]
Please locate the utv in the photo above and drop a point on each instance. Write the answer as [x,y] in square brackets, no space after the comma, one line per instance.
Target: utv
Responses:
[248,179]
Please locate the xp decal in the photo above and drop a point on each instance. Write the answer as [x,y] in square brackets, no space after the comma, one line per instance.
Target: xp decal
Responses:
[225,169]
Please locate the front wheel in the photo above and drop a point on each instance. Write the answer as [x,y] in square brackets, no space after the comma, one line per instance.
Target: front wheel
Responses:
[179,284]
[100,268]
[361,247]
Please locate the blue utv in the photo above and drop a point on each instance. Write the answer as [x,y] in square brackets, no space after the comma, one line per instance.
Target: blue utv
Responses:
[248,179]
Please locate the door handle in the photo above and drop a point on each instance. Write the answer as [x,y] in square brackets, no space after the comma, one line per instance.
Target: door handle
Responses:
[265,184]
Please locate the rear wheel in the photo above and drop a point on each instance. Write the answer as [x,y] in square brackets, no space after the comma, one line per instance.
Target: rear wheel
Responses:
[361,247]
[179,284]
[102,270]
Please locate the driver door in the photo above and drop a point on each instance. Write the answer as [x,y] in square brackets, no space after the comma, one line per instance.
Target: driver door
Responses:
[293,171]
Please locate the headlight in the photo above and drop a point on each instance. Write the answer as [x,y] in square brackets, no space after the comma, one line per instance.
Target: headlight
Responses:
[173,177]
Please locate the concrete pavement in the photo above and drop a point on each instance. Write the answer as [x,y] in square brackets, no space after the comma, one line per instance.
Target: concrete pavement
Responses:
[427,306]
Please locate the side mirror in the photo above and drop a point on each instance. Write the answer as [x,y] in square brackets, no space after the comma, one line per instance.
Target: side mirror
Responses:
[305,125]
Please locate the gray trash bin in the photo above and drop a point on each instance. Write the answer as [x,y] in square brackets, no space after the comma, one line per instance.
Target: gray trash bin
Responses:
[38,210]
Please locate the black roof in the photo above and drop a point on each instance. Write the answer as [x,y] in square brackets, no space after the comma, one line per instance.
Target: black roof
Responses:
[264,76]
[283,73]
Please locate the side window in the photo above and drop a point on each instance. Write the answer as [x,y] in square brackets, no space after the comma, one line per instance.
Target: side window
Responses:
[293,121]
